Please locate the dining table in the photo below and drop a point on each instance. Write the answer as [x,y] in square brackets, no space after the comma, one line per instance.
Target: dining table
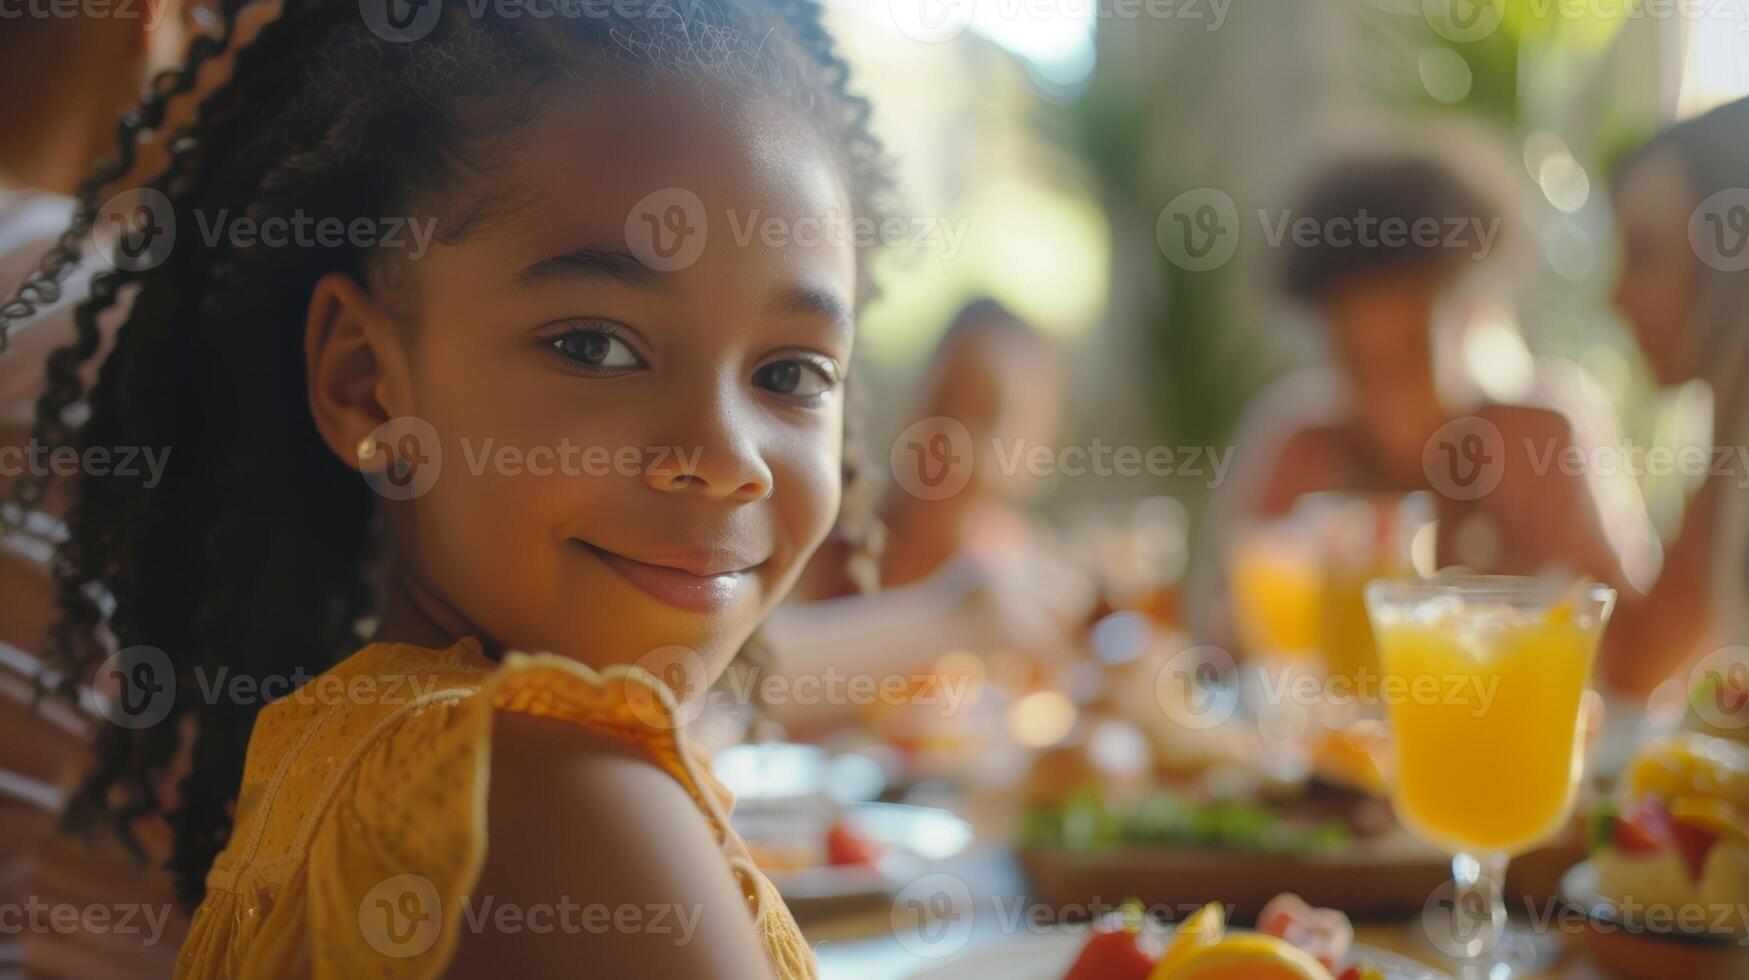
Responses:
[871,943]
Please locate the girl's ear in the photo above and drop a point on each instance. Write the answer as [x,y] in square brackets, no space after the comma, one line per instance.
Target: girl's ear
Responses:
[355,365]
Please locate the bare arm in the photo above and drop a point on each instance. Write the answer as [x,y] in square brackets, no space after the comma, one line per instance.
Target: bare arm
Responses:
[1541,511]
[580,822]
[1653,635]
[1544,515]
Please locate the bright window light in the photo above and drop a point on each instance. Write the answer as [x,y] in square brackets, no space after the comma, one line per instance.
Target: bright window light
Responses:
[1715,66]
[1054,36]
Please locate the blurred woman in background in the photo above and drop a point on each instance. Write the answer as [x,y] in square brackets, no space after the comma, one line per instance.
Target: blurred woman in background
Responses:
[1682,200]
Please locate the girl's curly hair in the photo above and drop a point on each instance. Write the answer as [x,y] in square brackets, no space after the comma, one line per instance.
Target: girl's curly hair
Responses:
[254,552]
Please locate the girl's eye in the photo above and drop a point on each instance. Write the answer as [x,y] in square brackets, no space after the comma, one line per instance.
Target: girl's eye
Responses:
[596,349]
[796,378]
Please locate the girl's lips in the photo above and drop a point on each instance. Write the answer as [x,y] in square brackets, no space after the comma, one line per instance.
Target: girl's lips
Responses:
[677,587]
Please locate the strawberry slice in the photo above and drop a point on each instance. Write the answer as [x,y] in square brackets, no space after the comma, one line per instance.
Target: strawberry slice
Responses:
[1111,956]
[845,846]
[1692,843]
[1631,838]
[1117,950]
[1651,820]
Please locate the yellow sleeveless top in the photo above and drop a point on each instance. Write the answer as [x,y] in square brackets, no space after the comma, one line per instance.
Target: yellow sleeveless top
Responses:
[361,823]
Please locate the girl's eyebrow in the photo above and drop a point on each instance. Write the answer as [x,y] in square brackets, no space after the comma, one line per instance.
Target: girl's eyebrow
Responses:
[813,301]
[624,268]
[591,265]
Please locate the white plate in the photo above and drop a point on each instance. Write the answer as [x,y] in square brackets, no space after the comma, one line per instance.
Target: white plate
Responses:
[788,773]
[1580,887]
[1048,955]
[910,836]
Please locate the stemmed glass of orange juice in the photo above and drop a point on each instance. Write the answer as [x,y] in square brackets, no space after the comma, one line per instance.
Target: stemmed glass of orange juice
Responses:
[1483,679]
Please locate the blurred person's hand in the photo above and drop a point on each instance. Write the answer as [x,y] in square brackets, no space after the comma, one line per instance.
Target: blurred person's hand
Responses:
[1540,515]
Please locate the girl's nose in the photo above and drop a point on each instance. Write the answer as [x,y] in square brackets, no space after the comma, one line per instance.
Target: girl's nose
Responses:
[720,457]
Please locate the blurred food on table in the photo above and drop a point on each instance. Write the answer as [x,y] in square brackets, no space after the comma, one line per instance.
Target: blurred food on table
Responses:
[1677,832]
[1293,941]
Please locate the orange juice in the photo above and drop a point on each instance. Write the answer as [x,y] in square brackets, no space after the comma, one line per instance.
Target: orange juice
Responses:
[1277,595]
[1359,537]
[1486,714]
[1347,640]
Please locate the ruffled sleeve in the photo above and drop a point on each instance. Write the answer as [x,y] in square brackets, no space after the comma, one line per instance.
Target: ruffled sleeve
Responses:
[401,843]
[397,837]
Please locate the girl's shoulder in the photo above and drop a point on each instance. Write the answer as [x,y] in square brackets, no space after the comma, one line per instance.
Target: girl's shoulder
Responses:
[408,702]
[362,821]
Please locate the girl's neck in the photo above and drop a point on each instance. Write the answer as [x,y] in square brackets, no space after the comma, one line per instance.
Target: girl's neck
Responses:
[414,616]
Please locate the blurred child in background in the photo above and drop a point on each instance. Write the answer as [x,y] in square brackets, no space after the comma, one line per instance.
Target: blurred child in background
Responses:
[997,380]
[962,570]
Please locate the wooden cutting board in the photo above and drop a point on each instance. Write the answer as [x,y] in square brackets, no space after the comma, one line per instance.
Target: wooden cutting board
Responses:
[1385,876]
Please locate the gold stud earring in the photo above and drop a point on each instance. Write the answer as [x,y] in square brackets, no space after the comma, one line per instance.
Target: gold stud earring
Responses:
[367,449]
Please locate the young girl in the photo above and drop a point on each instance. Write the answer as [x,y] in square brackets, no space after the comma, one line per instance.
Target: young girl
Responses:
[602,422]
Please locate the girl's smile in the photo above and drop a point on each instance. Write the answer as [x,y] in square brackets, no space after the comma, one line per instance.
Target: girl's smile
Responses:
[699,581]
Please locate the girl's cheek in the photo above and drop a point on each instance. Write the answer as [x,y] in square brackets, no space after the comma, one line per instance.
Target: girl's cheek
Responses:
[811,509]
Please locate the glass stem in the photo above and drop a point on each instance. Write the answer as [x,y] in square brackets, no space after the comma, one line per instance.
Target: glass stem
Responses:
[1479,909]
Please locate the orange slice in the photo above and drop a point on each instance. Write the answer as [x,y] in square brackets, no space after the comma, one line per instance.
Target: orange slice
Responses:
[1206,927]
[1689,764]
[1246,956]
